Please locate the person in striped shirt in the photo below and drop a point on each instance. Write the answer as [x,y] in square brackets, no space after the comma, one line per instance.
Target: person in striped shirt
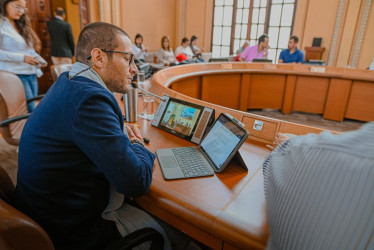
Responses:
[320,191]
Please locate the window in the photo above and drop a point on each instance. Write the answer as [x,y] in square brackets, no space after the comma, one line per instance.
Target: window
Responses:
[238,20]
[222,25]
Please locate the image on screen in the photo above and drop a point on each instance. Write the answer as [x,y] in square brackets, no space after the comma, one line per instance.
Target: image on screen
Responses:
[180,118]
[221,140]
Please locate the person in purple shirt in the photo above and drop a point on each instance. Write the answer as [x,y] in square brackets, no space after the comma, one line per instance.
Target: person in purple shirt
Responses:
[292,54]
[256,51]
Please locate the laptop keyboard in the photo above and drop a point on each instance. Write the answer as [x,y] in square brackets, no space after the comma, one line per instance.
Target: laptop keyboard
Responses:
[190,162]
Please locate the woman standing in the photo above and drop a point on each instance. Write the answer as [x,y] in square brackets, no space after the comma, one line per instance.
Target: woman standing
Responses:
[139,49]
[18,43]
[165,54]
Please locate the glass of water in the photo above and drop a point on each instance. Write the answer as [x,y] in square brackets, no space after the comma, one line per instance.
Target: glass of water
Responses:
[148,107]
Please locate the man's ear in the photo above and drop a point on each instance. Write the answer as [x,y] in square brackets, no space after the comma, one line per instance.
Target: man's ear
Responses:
[98,58]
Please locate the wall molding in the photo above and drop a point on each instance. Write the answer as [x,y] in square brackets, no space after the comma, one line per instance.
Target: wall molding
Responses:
[361,33]
[334,42]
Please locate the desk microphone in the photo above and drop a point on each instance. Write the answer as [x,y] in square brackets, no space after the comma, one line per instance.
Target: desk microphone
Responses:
[136,86]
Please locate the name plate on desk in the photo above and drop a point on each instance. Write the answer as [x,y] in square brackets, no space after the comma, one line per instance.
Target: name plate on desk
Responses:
[226,66]
[270,66]
[317,69]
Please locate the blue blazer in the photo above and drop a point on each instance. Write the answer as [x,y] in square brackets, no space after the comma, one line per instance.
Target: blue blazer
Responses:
[72,149]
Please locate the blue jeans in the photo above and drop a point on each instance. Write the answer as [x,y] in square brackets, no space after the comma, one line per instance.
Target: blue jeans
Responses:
[30,83]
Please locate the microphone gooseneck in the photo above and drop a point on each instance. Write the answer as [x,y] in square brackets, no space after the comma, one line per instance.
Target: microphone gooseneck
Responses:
[136,86]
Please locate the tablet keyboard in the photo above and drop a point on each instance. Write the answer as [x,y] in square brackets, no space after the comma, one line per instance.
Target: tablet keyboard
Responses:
[190,162]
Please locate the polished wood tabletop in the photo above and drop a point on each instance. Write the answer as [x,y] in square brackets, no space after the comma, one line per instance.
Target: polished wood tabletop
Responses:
[224,211]
[227,207]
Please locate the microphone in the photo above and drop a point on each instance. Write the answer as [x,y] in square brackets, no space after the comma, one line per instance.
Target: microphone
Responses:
[136,86]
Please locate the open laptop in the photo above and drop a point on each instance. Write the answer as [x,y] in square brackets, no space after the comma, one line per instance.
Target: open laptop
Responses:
[212,154]
[262,60]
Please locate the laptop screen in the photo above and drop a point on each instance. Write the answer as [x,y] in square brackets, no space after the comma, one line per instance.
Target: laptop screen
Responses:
[221,140]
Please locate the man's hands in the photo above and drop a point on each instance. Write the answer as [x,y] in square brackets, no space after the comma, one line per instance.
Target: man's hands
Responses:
[133,132]
[279,139]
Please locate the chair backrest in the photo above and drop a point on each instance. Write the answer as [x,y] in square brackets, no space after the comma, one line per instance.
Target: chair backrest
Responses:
[12,103]
[18,231]
[56,70]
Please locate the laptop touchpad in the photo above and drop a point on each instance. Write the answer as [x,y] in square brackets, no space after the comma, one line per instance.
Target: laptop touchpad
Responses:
[168,161]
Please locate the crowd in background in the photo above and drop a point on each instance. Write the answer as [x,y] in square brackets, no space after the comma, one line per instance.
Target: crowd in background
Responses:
[187,52]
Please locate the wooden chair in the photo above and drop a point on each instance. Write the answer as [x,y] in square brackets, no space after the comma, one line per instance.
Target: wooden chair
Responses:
[56,70]
[18,231]
[13,107]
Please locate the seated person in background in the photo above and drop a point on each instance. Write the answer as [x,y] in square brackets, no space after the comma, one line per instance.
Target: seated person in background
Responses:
[165,54]
[195,49]
[292,53]
[372,65]
[258,51]
[184,48]
[319,191]
[241,49]
[139,49]
[74,156]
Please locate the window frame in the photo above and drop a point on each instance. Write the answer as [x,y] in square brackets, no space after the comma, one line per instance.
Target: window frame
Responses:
[249,24]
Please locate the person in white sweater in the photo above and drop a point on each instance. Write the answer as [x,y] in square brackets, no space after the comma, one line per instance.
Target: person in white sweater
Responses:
[18,45]
[139,49]
[184,48]
[165,54]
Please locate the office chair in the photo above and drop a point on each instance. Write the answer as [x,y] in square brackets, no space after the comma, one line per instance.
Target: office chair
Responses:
[18,231]
[13,107]
[56,70]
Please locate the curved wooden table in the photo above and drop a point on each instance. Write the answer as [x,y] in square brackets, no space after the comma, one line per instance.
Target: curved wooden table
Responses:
[337,93]
[226,211]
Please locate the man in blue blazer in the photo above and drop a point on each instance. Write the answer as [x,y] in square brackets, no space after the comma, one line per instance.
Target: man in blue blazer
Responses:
[75,162]
[62,40]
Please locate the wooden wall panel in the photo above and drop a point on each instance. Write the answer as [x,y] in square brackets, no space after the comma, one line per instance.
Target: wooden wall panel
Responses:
[288,94]
[222,89]
[361,101]
[189,86]
[243,101]
[266,91]
[337,98]
[310,94]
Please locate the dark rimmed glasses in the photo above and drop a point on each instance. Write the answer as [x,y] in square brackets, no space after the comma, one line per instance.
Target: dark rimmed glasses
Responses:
[131,59]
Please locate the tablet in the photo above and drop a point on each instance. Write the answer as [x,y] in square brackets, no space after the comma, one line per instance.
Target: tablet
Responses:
[183,119]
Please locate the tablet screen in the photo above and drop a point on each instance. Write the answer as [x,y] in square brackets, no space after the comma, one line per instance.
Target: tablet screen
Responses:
[222,140]
[180,118]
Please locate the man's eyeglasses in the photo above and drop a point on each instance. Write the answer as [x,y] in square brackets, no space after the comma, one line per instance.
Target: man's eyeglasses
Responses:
[131,59]
[24,10]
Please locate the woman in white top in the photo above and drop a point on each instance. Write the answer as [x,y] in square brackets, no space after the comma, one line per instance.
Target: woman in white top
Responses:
[165,54]
[139,49]
[17,46]
[184,48]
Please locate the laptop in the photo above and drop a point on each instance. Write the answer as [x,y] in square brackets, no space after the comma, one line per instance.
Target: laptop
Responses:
[260,60]
[212,155]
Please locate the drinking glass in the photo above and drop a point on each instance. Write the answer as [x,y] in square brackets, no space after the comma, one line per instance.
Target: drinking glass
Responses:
[141,77]
[148,107]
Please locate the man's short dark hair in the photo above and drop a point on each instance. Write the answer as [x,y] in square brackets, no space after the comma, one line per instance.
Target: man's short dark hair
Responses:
[60,11]
[295,39]
[262,38]
[97,35]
